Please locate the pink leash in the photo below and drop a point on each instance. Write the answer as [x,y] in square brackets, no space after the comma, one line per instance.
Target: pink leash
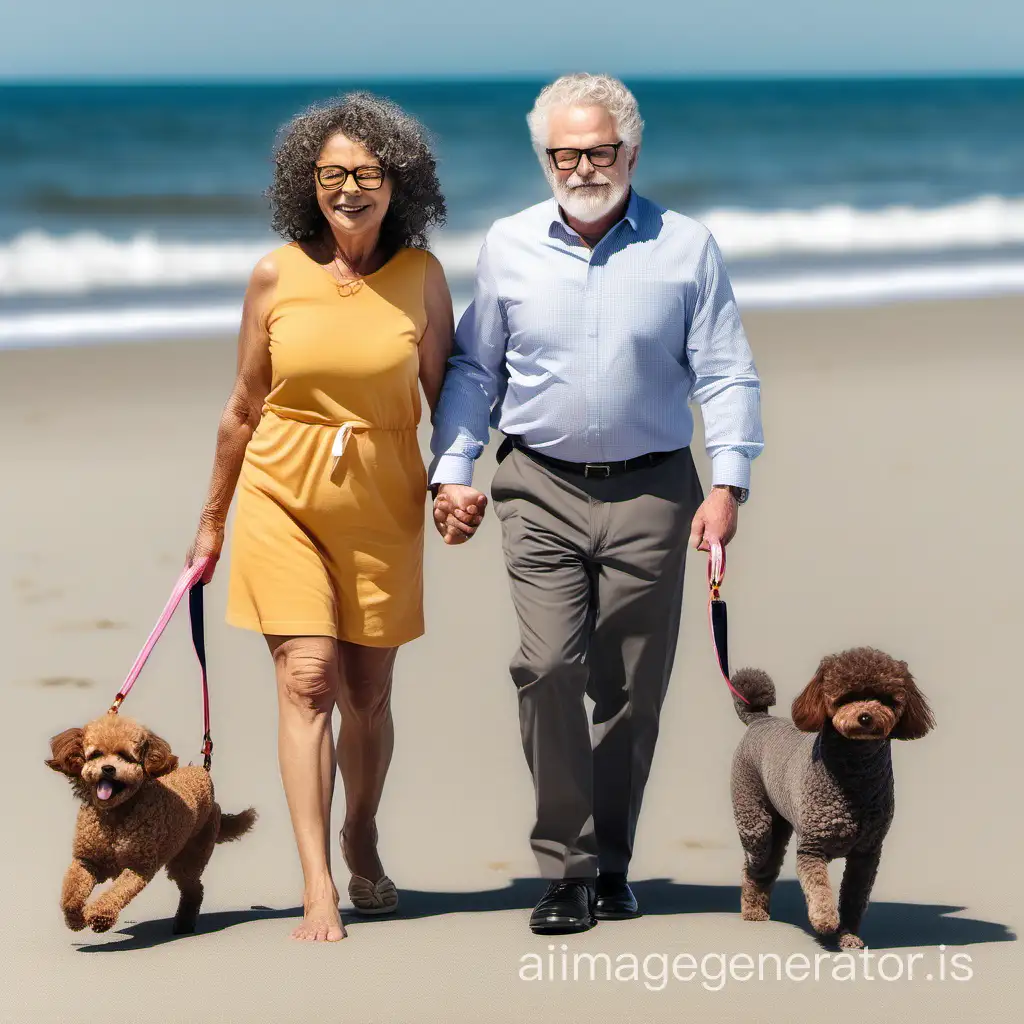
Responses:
[190,582]
[716,614]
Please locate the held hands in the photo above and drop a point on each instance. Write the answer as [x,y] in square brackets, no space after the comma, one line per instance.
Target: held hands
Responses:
[716,518]
[209,541]
[458,511]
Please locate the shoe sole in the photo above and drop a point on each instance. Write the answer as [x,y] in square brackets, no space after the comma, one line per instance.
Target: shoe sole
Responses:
[565,928]
[375,911]
[606,916]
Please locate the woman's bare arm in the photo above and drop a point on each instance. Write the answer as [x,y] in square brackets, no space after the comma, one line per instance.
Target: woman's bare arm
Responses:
[436,343]
[242,412]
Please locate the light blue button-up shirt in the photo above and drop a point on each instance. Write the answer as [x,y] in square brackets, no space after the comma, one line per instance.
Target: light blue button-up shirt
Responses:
[594,355]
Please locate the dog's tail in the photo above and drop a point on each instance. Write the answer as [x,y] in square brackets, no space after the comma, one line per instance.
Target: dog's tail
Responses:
[234,826]
[758,688]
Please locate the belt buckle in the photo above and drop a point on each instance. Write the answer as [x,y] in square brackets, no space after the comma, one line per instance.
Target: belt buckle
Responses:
[601,469]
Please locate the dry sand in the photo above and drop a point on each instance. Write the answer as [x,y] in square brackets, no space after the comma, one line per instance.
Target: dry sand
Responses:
[884,511]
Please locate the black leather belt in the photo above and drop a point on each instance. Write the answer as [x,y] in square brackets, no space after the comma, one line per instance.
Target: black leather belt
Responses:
[599,470]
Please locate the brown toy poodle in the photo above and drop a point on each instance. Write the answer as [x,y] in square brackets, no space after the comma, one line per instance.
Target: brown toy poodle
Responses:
[140,812]
[828,776]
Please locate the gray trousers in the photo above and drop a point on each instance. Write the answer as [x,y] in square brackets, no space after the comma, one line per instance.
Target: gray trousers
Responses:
[596,573]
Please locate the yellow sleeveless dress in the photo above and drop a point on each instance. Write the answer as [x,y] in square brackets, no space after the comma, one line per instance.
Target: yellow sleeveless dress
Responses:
[327,538]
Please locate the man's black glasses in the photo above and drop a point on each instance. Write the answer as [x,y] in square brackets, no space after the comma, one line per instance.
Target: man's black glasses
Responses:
[599,156]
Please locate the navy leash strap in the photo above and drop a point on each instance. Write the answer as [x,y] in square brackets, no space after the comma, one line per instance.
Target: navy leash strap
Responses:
[195,616]
[717,614]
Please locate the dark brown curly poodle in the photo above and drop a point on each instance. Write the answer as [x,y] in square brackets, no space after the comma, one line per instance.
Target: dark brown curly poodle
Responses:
[834,788]
[140,812]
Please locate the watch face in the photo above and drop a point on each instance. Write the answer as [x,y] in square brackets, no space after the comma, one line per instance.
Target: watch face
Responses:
[739,493]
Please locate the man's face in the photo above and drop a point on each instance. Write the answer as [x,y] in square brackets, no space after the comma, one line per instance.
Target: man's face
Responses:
[588,193]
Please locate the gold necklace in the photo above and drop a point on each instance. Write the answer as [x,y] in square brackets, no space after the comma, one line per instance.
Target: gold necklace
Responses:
[351,285]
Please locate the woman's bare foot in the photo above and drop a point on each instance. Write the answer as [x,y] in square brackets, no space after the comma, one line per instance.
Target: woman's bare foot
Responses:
[359,848]
[321,920]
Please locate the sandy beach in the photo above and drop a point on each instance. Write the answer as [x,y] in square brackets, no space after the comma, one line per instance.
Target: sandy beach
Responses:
[883,511]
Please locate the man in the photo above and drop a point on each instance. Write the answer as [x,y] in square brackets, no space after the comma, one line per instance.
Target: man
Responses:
[597,316]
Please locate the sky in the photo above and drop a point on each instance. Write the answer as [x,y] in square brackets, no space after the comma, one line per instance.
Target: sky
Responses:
[288,39]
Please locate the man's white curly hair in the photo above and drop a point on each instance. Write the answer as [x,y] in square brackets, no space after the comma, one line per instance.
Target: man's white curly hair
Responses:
[583,90]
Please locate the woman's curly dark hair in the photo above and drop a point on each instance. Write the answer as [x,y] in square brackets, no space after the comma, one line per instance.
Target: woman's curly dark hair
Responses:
[399,141]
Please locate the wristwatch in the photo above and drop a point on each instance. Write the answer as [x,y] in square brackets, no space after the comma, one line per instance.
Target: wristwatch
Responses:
[739,493]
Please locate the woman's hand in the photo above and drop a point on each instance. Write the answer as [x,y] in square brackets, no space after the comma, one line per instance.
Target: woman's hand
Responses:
[208,543]
[458,511]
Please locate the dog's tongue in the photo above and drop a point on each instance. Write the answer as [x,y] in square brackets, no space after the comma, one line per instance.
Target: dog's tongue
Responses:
[104,789]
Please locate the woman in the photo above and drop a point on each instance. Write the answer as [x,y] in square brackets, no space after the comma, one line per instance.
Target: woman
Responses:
[339,327]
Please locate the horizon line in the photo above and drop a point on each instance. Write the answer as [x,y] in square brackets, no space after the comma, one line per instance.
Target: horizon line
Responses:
[509,78]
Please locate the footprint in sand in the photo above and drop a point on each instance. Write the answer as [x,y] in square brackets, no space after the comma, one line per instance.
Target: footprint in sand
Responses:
[32,593]
[701,844]
[64,627]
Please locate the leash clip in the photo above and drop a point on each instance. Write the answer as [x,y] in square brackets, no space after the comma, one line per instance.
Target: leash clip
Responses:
[716,566]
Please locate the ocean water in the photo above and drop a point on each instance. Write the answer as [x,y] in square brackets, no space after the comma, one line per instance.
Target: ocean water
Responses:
[137,211]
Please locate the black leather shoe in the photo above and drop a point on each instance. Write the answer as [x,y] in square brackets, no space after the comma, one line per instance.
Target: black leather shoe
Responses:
[566,907]
[615,899]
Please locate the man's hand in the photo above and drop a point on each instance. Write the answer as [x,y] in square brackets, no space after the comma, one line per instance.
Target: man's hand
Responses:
[458,511]
[716,518]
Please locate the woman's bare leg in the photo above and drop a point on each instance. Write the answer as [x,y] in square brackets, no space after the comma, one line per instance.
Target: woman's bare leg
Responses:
[365,744]
[307,672]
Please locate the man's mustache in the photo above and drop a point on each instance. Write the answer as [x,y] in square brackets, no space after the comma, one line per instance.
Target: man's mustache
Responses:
[588,184]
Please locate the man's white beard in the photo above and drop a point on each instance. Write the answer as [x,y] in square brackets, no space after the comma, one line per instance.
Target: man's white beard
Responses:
[587,205]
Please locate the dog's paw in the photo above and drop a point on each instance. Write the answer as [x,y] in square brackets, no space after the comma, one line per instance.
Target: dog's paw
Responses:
[74,918]
[755,913]
[824,919]
[184,924]
[100,918]
[847,940]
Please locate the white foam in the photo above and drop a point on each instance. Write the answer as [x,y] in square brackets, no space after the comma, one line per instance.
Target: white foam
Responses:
[458,252]
[36,263]
[986,222]
[899,285]
[91,326]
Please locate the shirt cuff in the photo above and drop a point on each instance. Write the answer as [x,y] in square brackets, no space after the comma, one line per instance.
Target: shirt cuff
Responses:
[453,469]
[731,468]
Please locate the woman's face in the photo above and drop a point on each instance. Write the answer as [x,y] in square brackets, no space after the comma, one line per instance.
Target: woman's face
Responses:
[351,210]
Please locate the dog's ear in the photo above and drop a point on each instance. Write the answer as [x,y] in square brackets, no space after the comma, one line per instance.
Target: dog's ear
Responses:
[916,719]
[810,709]
[157,758]
[68,753]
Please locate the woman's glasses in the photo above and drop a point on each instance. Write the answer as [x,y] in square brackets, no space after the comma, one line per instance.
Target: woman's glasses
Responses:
[333,176]
[599,156]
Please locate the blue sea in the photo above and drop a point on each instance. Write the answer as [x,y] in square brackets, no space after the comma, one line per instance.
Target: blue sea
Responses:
[136,211]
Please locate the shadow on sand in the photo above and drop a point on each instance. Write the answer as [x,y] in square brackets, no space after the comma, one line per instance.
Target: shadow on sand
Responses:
[886,925]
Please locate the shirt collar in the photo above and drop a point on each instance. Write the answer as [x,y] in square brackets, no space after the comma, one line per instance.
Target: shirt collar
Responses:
[631,216]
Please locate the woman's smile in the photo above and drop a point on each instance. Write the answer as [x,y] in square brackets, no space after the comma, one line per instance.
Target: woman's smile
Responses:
[350,209]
